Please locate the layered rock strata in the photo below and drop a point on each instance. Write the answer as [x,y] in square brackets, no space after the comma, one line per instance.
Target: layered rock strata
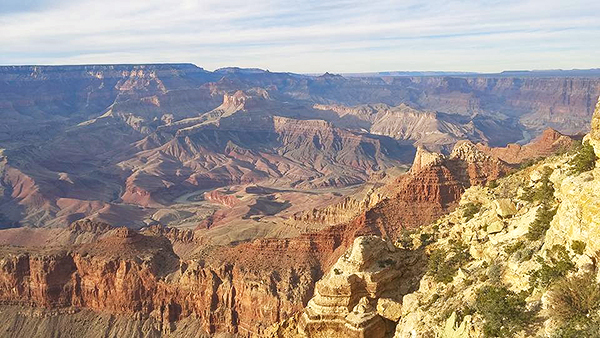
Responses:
[345,300]
[432,188]
[550,142]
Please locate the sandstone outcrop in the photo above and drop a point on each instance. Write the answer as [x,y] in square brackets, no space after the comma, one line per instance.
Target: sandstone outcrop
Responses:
[424,158]
[346,210]
[436,131]
[345,301]
[595,131]
[216,196]
[578,216]
[137,276]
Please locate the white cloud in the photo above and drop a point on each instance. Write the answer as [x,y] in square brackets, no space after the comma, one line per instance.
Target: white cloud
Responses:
[307,36]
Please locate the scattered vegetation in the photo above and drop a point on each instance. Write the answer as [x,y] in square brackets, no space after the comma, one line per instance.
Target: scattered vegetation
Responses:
[525,254]
[470,209]
[406,240]
[584,159]
[493,184]
[443,264]
[426,239]
[578,247]
[495,272]
[541,224]
[434,298]
[544,192]
[575,304]
[504,312]
[516,246]
[557,266]
[337,271]
[437,266]
[461,313]
[528,163]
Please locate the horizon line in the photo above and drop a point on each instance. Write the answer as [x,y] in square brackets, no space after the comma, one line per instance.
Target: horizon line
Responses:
[379,73]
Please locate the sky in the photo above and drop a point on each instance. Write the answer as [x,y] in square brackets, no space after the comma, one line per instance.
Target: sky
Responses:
[311,36]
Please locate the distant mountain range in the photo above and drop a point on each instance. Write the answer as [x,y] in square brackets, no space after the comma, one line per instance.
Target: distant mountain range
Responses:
[594,72]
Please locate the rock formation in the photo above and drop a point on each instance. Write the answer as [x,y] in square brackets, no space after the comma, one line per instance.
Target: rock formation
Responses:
[548,143]
[577,217]
[595,132]
[345,301]
[431,190]
[144,135]
[424,158]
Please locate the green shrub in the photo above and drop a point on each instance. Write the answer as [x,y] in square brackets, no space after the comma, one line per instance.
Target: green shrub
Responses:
[574,303]
[493,184]
[470,209]
[578,247]
[439,268]
[512,248]
[557,266]
[528,163]
[544,192]
[525,254]
[495,272]
[503,311]
[406,240]
[426,239]
[584,160]
[541,224]
[443,265]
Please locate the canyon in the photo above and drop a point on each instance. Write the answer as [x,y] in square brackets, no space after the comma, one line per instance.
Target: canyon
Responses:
[167,200]
[143,137]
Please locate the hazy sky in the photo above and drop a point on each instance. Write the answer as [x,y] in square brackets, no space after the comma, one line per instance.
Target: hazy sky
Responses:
[306,36]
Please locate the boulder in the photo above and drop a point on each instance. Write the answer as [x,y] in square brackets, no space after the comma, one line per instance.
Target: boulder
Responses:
[389,309]
[495,227]
[505,207]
